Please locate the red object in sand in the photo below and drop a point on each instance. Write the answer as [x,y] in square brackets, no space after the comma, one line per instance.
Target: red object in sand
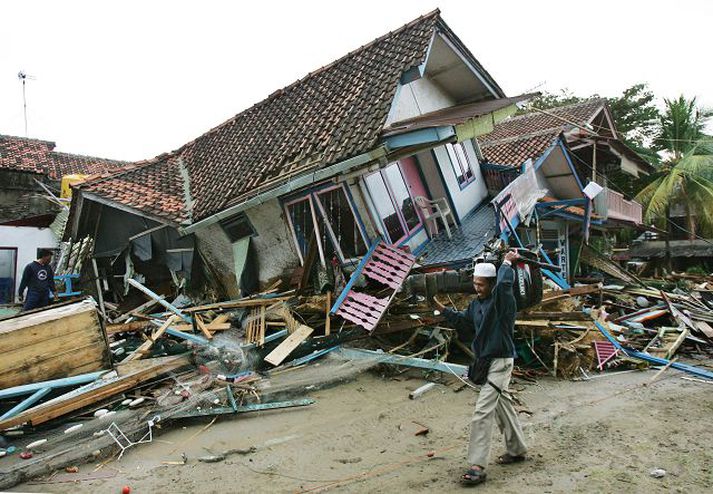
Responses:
[125,490]
[26,455]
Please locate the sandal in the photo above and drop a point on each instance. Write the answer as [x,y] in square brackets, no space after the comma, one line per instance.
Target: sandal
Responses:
[473,476]
[508,459]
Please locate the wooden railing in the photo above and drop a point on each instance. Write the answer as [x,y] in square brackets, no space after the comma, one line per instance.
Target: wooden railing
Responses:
[612,205]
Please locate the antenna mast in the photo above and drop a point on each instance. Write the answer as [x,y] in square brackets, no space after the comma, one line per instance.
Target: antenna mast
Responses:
[23,78]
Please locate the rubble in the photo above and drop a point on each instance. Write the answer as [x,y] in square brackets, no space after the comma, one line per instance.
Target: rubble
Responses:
[226,358]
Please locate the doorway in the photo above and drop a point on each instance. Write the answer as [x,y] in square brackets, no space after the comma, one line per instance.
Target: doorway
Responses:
[8,268]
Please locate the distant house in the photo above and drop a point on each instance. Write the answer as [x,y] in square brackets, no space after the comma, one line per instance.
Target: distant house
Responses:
[321,167]
[567,148]
[29,168]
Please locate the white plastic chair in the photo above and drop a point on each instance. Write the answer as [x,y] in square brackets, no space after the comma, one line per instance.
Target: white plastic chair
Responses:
[432,210]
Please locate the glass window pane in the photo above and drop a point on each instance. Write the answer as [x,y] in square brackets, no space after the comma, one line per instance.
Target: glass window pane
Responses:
[401,195]
[301,216]
[463,159]
[384,207]
[343,223]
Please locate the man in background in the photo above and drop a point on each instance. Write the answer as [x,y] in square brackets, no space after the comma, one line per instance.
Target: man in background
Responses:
[38,279]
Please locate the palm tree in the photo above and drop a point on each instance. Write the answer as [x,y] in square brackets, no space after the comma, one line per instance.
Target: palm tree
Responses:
[681,126]
[685,175]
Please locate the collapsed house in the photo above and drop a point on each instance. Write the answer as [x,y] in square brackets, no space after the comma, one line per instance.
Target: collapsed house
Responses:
[554,174]
[389,167]
[380,143]
[34,198]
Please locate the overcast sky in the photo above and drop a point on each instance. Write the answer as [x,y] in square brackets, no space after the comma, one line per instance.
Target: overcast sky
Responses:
[132,79]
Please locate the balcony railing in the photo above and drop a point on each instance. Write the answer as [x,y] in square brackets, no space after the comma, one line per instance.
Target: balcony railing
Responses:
[612,205]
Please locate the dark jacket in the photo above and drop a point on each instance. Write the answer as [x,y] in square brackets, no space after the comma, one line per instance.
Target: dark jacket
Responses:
[490,322]
[37,278]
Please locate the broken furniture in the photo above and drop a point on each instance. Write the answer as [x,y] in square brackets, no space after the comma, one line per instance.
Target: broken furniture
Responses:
[385,264]
[432,211]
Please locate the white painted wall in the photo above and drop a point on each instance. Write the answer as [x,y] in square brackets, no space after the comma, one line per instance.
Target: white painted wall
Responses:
[465,200]
[27,239]
[273,244]
[416,98]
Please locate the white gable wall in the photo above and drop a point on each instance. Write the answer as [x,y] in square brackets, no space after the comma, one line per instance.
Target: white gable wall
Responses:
[466,199]
[417,98]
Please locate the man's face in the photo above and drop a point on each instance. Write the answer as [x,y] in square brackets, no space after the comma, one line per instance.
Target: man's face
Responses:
[46,259]
[482,286]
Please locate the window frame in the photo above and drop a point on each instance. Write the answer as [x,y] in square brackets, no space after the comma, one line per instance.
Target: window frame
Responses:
[464,168]
[408,232]
[312,196]
[234,218]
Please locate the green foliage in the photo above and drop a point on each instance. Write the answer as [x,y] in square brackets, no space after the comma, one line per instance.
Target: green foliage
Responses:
[680,127]
[687,180]
[563,97]
[636,118]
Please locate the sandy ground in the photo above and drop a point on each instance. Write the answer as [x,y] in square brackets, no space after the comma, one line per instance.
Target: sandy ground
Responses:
[604,435]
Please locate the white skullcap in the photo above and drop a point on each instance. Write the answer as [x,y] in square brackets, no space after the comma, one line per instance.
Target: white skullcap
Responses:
[484,270]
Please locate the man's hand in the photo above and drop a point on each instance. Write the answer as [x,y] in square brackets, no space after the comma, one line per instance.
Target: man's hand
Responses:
[512,256]
[440,306]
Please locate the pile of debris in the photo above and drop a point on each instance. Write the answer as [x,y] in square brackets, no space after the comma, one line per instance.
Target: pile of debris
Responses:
[83,381]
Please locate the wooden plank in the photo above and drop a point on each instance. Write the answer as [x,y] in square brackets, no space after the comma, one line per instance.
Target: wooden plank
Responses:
[262,325]
[74,401]
[146,345]
[219,322]
[704,328]
[235,304]
[202,326]
[126,327]
[288,346]
[138,310]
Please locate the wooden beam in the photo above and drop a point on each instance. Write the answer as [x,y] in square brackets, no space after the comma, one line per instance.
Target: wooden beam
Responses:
[146,345]
[74,401]
[201,325]
[286,347]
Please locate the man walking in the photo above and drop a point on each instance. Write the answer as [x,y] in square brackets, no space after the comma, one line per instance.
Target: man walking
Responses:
[38,278]
[490,321]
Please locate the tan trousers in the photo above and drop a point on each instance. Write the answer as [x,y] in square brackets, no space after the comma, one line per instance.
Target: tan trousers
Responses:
[490,406]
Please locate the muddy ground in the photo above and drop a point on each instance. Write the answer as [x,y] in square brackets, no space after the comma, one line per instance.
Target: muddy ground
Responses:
[602,435]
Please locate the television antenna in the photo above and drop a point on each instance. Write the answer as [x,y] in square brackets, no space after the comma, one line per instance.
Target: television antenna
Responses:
[23,77]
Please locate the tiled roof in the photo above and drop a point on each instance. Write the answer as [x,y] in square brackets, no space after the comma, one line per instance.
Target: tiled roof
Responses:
[519,138]
[154,187]
[37,156]
[67,164]
[562,118]
[330,115]
[515,151]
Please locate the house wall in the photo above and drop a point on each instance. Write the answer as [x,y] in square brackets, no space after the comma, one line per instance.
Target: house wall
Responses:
[416,98]
[21,197]
[27,239]
[466,199]
[273,243]
[217,251]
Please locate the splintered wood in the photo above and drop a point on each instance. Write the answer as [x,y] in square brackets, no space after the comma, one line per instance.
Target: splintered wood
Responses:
[255,329]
